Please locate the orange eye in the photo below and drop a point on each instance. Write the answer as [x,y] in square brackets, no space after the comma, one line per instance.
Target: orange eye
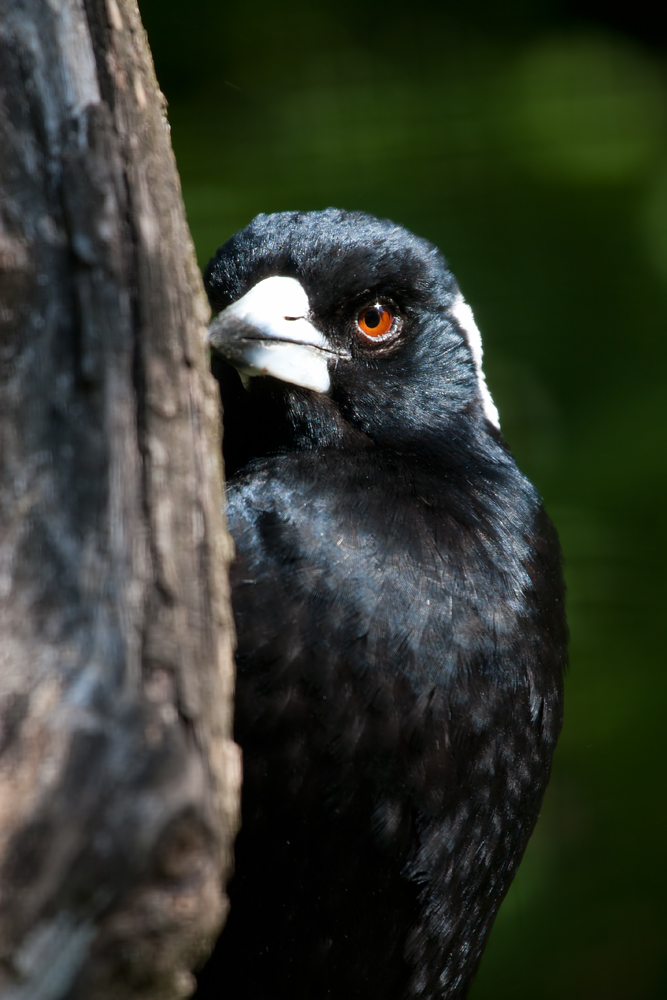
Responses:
[375,321]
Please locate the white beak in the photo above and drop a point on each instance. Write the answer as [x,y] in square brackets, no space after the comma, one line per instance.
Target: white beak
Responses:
[266,332]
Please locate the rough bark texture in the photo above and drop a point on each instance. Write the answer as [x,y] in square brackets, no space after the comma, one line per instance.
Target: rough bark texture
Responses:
[118,776]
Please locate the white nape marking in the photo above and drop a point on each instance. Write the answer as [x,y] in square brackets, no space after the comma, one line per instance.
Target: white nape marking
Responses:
[463,315]
[278,308]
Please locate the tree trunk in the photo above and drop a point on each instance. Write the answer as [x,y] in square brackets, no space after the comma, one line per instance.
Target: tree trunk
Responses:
[118,777]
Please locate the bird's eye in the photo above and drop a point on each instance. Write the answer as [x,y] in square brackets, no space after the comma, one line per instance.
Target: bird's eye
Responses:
[375,321]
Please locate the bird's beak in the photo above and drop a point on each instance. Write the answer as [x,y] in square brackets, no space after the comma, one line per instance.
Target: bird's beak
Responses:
[267,333]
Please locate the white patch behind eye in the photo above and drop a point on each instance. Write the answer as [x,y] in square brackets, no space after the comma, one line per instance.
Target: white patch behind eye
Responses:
[462,313]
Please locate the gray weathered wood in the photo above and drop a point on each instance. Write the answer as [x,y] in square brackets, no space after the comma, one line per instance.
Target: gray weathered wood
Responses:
[118,776]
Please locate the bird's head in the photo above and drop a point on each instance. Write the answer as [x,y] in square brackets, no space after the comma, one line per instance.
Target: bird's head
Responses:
[337,322]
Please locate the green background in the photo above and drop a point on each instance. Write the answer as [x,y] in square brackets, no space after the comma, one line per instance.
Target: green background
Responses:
[528,141]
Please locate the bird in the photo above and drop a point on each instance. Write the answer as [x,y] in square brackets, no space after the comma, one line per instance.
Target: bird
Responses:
[398,600]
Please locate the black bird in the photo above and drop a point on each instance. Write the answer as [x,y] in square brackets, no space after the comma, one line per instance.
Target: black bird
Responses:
[398,599]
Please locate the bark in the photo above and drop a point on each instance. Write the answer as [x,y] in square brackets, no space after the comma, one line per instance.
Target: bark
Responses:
[118,776]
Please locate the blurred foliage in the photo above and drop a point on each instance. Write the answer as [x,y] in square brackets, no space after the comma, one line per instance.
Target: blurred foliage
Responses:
[528,141]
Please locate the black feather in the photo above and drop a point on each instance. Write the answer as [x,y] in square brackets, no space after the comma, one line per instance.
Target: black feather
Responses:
[398,600]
